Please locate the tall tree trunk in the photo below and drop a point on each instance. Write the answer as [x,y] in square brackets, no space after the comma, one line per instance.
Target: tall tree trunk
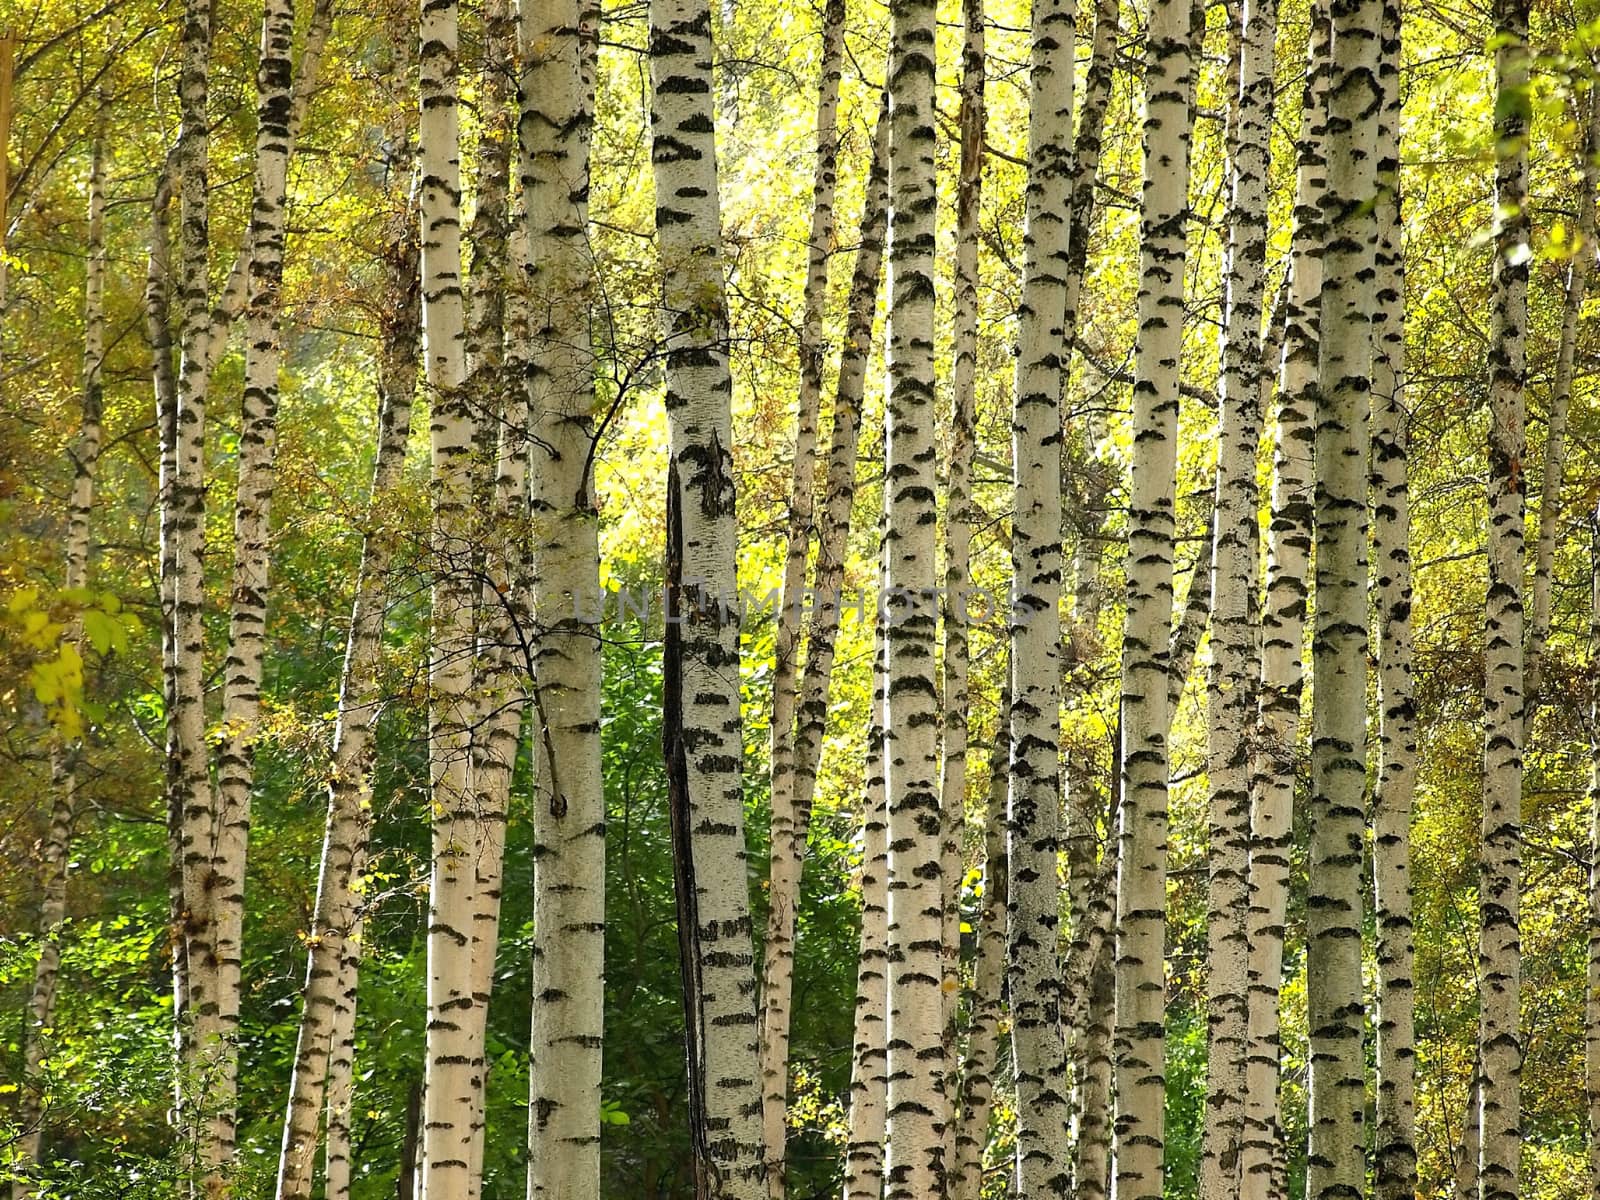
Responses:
[976,1101]
[1230,696]
[54,851]
[1336,1164]
[701,726]
[341,1075]
[1500,871]
[1283,625]
[960,515]
[790,821]
[869,1077]
[499,550]
[1033,814]
[241,690]
[1591,1010]
[183,555]
[451,1080]
[328,993]
[915,1152]
[1142,837]
[1555,442]
[569,800]
[1395,1149]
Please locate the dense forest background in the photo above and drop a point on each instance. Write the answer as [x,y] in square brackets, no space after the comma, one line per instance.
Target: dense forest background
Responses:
[96,94]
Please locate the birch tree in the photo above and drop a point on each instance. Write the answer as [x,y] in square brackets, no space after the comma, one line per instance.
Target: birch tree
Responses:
[1500,868]
[960,514]
[1591,1008]
[869,1077]
[328,999]
[451,1075]
[701,727]
[1230,698]
[569,802]
[1283,626]
[790,822]
[1395,1151]
[1142,835]
[1335,1008]
[54,851]
[916,1061]
[1033,812]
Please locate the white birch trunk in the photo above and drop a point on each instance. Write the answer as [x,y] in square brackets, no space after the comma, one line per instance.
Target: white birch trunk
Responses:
[1140,1069]
[1500,869]
[328,994]
[869,1072]
[701,720]
[914,1159]
[1283,627]
[1033,814]
[451,1075]
[976,1101]
[791,820]
[1230,694]
[1395,1149]
[1591,1008]
[54,851]
[1336,1163]
[569,801]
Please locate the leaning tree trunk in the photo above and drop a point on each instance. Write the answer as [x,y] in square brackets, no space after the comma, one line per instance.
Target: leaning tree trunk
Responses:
[700,723]
[450,1080]
[1555,443]
[1395,1149]
[869,1078]
[328,994]
[565,1038]
[790,820]
[1283,623]
[916,1063]
[1230,694]
[55,848]
[1033,813]
[1500,871]
[1336,1165]
[342,1072]
[1140,1071]
[960,516]
[976,1101]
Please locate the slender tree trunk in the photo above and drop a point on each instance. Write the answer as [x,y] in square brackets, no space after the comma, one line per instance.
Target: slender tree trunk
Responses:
[328,994]
[1591,1011]
[988,975]
[451,1080]
[54,852]
[1336,1164]
[1033,815]
[341,1072]
[500,410]
[960,515]
[1395,1151]
[916,1061]
[1142,837]
[1500,872]
[1555,442]
[701,708]
[791,822]
[569,801]
[1283,624]
[1230,696]
[869,1077]
[183,555]
[241,692]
